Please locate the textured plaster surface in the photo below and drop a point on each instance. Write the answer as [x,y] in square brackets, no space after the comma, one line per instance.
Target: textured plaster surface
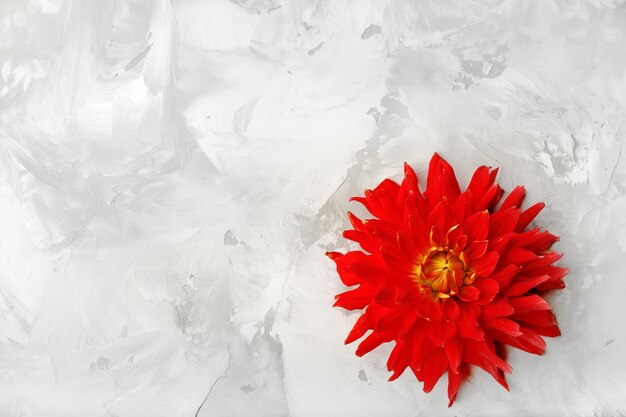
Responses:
[171,174]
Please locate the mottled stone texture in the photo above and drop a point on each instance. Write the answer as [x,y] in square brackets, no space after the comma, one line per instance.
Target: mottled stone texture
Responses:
[172,172]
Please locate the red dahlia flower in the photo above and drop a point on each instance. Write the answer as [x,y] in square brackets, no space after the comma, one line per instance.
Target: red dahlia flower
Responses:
[447,276]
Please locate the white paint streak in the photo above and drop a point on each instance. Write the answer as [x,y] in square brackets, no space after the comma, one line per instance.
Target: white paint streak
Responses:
[171,174]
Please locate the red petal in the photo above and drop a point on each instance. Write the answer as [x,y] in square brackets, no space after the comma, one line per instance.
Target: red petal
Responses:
[460,243]
[420,349]
[477,249]
[433,369]
[436,236]
[534,240]
[410,320]
[490,198]
[503,221]
[381,205]
[455,234]
[367,242]
[411,178]
[395,261]
[440,215]
[477,226]
[500,243]
[515,198]
[493,174]
[356,299]
[469,293]
[454,351]
[485,265]
[463,206]
[372,341]
[361,200]
[419,234]
[414,195]
[544,260]
[467,323]
[518,256]
[527,216]
[543,318]
[391,319]
[480,182]
[480,354]
[548,331]
[398,352]
[386,296]
[454,382]
[403,362]
[543,241]
[526,342]
[434,169]
[505,326]
[450,185]
[496,309]
[355,267]
[353,235]
[450,309]
[389,187]
[551,285]
[529,303]
[505,275]
[356,223]
[440,333]
[496,199]
[334,255]
[435,312]
[523,284]
[440,171]
[359,329]
[531,338]
[488,290]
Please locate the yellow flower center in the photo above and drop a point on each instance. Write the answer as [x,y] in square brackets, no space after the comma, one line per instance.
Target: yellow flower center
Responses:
[443,271]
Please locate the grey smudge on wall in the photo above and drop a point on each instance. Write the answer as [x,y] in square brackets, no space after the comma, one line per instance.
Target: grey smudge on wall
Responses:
[247,388]
[137,60]
[101,364]
[370,31]
[314,50]
[362,375]
[229,238]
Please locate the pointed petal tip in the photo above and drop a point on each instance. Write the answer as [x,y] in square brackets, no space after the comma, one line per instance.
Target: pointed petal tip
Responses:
[333,255]
[450,402]
[394,376]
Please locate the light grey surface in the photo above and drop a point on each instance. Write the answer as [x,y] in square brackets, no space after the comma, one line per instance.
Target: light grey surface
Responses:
[171,174]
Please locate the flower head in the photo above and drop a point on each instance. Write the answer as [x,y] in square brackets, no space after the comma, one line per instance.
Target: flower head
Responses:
[449,276]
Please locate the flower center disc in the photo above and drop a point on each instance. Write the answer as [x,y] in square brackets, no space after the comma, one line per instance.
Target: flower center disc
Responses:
[443,272]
